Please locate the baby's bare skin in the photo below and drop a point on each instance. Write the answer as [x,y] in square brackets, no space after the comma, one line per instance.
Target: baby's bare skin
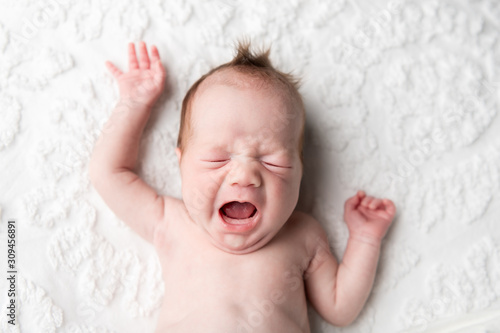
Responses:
[208,290]
[224,273]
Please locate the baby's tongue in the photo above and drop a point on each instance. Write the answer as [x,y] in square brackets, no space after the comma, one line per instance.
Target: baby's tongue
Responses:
[238,210]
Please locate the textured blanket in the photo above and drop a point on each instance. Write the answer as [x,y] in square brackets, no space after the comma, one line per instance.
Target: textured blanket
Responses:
[402,101]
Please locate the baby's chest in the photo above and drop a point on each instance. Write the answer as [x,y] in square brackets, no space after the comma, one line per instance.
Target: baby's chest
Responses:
[211,277]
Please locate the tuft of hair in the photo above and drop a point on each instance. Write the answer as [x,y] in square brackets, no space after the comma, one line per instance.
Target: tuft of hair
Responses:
[245,57]
[255,64]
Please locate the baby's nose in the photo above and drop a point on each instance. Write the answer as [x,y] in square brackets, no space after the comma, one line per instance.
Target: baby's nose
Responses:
[245,174]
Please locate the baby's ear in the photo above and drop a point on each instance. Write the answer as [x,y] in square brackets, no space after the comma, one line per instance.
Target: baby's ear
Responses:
[178,152]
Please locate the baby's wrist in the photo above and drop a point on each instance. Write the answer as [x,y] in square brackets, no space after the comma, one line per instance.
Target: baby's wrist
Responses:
[366,239]
[133,105]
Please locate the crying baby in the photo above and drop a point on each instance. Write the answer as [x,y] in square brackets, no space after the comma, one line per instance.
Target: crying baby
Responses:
[236,256]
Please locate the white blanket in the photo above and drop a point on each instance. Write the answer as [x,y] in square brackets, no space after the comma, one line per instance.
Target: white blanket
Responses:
[402,100]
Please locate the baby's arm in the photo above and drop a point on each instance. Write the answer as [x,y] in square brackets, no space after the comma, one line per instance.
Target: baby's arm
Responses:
[339,292]
[114,157]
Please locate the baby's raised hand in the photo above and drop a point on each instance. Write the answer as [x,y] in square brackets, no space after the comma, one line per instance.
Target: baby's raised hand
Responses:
[367,217]
[143,83]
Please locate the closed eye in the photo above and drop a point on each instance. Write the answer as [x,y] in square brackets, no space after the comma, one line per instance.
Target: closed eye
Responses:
[272,165]
[217,163]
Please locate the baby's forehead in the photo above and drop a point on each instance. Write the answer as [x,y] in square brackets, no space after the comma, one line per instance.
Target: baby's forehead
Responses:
[287,111]
[248,80]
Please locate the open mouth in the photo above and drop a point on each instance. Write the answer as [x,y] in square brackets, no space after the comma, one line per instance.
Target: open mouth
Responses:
[235,212]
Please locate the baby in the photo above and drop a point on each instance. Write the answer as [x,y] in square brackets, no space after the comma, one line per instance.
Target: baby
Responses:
[235,254]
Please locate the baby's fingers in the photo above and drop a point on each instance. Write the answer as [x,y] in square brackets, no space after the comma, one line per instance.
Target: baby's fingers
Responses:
[156,65]
[384,215]
[113,70]
[143,56]
[375,203]
[155,56]
[389,206]
[351,203]
[368,202]
[132,57]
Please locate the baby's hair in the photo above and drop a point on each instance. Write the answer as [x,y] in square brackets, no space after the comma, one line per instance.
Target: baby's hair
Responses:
[256,65]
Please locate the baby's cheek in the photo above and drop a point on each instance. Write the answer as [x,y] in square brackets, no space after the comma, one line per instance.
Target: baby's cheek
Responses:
[289,192]
[210,190]
[194,200]
[205,189]
[279,193]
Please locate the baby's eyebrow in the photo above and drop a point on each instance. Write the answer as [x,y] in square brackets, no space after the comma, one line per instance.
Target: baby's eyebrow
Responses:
[218,148]
[279,152]
[260,150]
[215,150]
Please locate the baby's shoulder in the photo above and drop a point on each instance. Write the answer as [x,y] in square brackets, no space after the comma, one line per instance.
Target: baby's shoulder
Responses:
[303,236]
[304,222]
[175,214]
[304,227]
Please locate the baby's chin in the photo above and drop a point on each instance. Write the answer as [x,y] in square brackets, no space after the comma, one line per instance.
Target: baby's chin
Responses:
[238,244]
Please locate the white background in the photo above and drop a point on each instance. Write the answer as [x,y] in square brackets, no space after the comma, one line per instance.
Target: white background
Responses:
[402,101]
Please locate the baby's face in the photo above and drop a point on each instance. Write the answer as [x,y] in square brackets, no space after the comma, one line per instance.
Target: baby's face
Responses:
[241,167]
